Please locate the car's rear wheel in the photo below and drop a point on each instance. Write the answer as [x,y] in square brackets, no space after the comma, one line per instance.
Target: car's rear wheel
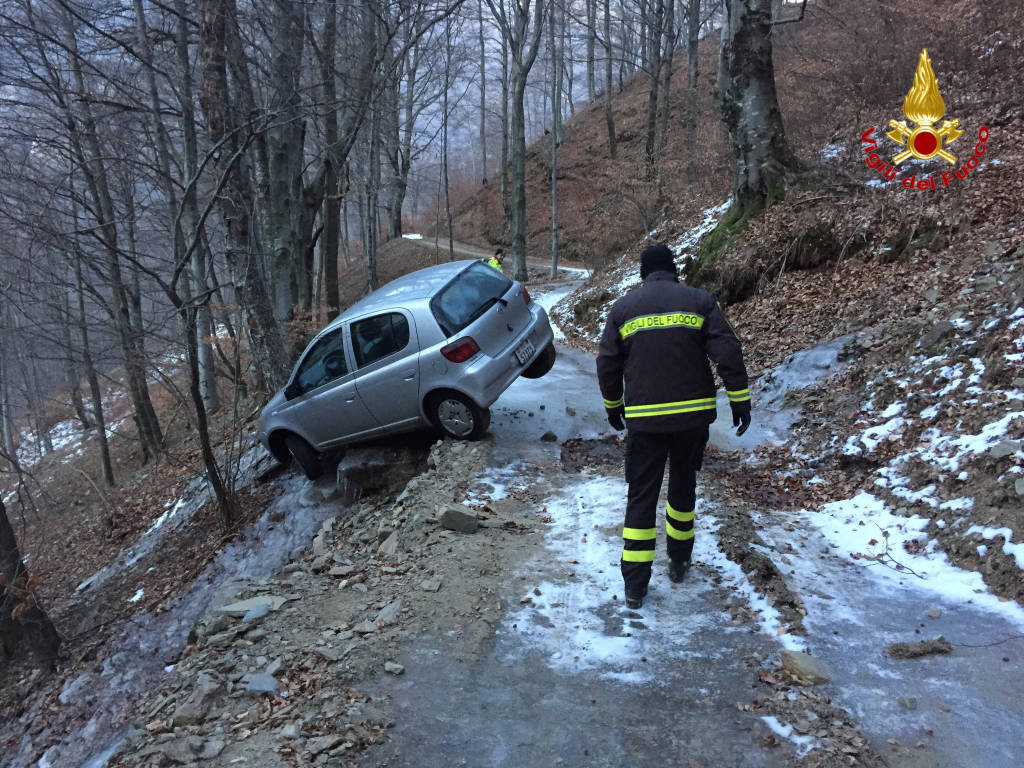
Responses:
[304,455]
[458,416]
[544,362]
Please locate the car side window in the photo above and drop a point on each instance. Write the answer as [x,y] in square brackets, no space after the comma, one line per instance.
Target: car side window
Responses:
[324,363]
[379,336]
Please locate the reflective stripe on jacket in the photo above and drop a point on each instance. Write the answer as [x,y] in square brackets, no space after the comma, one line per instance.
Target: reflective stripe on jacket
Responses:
[653,356]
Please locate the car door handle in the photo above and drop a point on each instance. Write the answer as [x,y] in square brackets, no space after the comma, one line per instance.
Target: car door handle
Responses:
[350,399]
[410,375]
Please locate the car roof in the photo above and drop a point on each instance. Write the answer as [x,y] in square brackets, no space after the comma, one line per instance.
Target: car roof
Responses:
[421,284]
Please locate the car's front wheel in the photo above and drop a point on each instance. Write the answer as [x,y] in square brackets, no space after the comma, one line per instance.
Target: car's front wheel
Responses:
[304,455]
[458,416]
[544,362]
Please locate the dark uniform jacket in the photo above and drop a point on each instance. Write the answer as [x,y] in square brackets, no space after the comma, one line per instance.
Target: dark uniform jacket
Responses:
[658,340]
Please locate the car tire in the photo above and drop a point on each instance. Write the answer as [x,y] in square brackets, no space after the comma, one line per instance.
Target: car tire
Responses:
[307,459]
[544,362]
[458,417]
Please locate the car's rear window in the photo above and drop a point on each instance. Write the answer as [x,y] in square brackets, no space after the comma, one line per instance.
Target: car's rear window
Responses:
[468,296]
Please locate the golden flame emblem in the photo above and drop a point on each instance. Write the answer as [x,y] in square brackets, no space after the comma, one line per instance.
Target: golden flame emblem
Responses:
[924,106]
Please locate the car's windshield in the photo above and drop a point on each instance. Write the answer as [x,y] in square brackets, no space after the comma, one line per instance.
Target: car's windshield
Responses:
[467,297]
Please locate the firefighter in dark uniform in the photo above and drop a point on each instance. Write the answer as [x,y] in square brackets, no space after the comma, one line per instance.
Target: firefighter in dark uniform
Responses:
[657,342]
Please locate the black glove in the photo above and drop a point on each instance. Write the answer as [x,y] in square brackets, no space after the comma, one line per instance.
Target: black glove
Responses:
[615,417]
[741,416]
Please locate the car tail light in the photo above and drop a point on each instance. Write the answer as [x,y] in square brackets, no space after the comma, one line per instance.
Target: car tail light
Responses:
[461,350]
[526,295]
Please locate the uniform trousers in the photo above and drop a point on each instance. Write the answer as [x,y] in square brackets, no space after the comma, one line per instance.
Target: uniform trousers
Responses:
[646,454]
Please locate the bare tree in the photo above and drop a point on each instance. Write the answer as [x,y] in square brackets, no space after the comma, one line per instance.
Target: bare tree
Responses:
[521,32]
[750,110]
[21,615]
[609,117]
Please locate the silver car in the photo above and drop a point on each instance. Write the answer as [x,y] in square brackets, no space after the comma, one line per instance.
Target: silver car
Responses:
[433,348]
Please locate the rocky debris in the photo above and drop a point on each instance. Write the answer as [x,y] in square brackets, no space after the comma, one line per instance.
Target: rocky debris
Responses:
[389,546]
[243,607]
[805,667]
[323,743]
[455,519]
[182,750]
[907,702]
[549,437]
[1018,486]
[193,710]
[281,679]
[389,613]
[1004,448]
[835,739]
[431,585]
[939,332]
[261,683]
[933,613]
[918,649]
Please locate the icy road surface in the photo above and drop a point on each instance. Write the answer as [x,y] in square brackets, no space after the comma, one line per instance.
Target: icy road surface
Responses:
[575,679]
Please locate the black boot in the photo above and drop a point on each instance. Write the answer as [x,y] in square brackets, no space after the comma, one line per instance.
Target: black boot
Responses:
[677,571]
[635,601]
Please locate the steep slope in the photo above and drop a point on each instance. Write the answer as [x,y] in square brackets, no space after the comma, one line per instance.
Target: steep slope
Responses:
[928,414]
[844,68]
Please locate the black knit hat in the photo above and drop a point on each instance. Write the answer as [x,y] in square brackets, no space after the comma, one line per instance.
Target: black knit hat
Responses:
[656,258]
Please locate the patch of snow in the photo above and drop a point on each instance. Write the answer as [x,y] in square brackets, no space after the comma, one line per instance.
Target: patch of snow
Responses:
[412,236]
[1009,548]
[689,240]
[803,744]
[832,151]
[852,524]
[964,502]
[872,437]
[137,596]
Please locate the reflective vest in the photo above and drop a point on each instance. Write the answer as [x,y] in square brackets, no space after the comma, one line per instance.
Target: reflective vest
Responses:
[654,351]
[493,262]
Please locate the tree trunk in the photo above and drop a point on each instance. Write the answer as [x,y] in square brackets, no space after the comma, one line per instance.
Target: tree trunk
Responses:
[90,371]
[72,373]
[21,615]
[270,359]
[6,418]
[556,130]
[750,110]
[668,56]
[483,95]
[505,128]
[87,150]
[523,39]
[691,111]
[591,37]
[444,135]
[285,141]
[609,117]
[332,179]
[654,28]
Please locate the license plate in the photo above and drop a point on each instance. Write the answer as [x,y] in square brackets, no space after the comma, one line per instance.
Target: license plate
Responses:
[524,352]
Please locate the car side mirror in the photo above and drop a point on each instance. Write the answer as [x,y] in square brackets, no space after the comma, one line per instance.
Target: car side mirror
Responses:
[292,390]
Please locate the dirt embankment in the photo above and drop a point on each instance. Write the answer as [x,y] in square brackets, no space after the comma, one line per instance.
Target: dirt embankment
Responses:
[388,568]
